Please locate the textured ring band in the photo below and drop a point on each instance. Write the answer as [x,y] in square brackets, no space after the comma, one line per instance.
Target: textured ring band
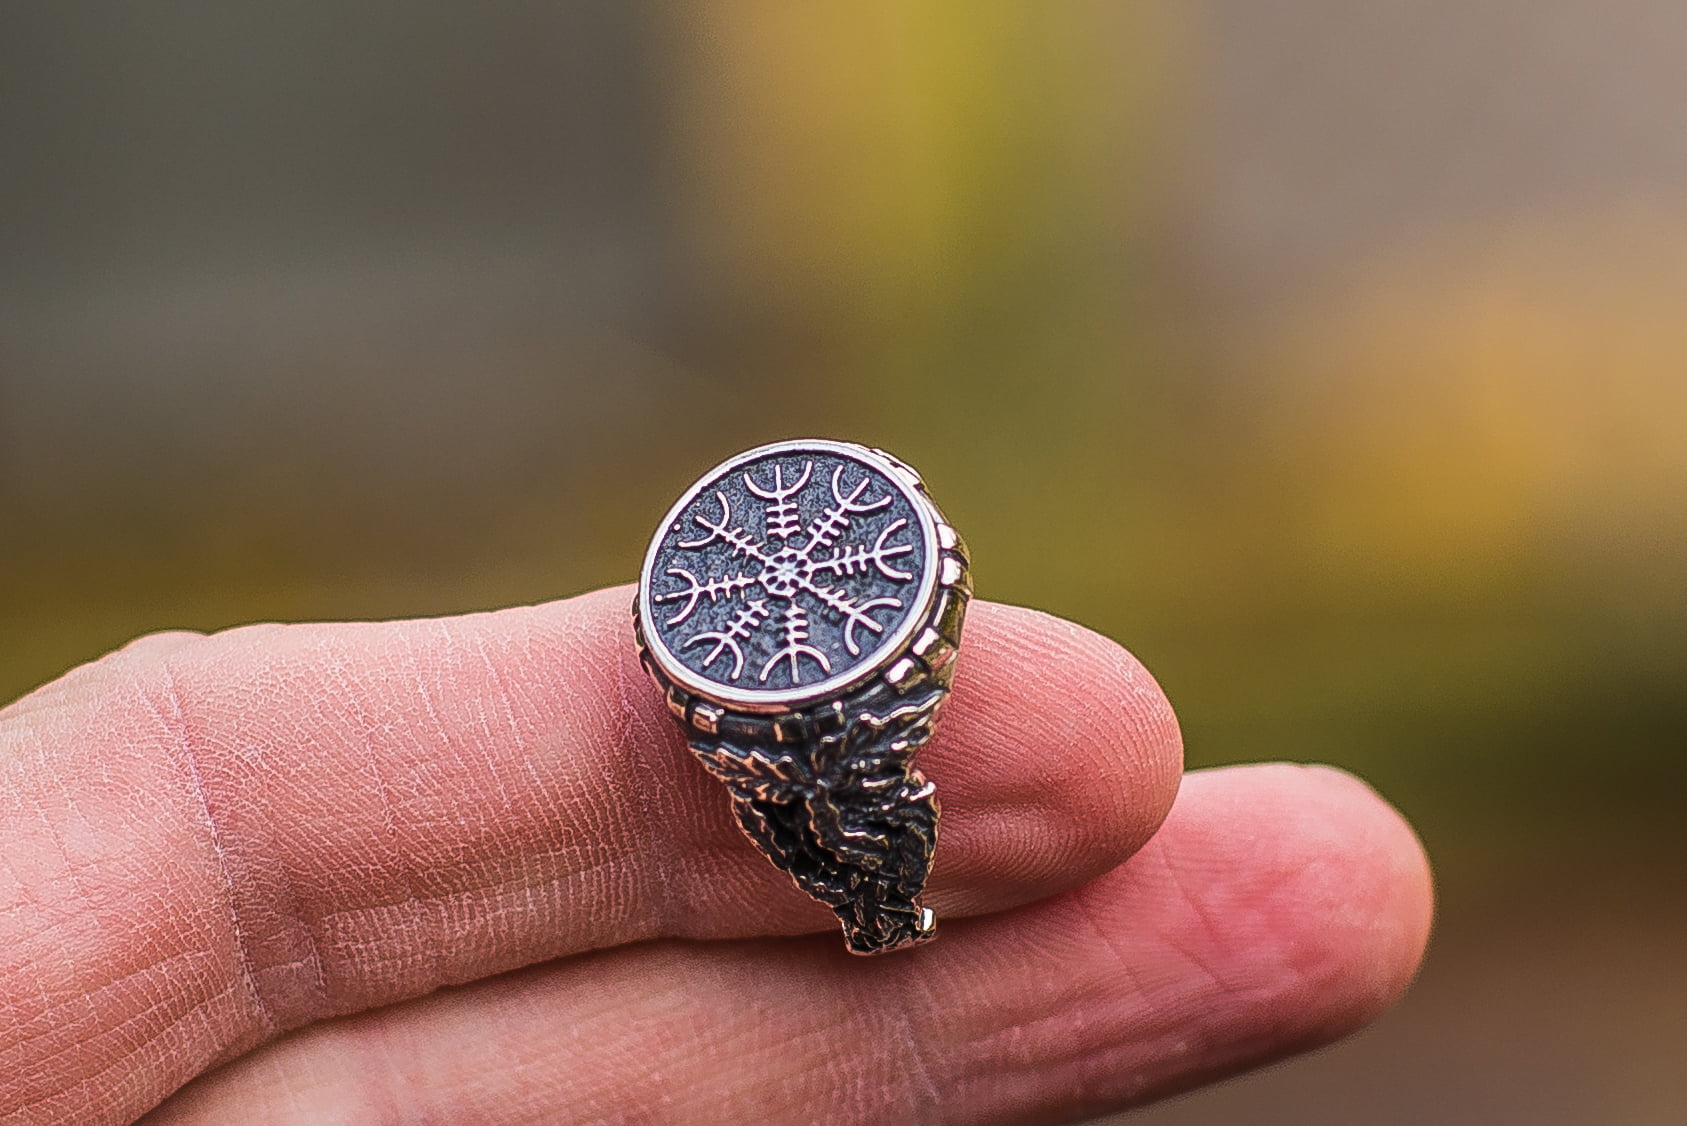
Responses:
[800,607]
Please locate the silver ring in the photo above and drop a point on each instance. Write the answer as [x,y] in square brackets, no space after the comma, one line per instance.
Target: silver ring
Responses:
[800,608]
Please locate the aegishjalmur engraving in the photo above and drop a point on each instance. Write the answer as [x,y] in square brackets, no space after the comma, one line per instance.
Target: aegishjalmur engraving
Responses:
[793,570]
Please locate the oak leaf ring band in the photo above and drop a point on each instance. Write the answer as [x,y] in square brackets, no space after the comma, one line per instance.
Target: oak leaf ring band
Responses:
[800,608]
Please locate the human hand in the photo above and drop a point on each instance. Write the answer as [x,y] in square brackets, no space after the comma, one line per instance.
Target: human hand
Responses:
[319,855]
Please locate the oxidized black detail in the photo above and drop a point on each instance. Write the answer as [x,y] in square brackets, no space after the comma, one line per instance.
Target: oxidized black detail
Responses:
[820,770]
[846,815]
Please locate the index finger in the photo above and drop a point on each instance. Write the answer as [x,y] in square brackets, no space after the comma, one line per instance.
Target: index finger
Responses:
[209,840]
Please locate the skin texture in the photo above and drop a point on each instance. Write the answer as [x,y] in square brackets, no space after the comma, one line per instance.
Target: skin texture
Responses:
[312,850]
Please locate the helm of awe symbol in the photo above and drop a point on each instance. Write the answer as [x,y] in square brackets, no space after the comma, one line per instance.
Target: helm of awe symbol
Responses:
[793,568]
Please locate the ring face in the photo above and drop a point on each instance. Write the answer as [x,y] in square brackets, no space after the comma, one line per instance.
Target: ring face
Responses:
[800,609]
[789,574]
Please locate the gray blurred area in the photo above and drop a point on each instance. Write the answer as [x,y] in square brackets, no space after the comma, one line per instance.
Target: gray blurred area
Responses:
[322,278]
[1329,356]
[1334,131]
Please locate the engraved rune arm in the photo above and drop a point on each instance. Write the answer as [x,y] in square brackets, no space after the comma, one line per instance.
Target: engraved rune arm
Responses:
[854,613]
[783,519]
[727,586]
[830,524]
[743,624]
[794,622]
[847,561]
[741,542]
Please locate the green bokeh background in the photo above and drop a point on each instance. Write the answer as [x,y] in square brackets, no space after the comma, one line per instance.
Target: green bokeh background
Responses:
[1335,370]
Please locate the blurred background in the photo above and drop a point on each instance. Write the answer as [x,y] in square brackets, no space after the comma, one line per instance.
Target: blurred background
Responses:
[1332,357]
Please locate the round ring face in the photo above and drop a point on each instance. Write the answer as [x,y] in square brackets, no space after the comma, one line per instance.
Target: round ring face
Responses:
[787,574]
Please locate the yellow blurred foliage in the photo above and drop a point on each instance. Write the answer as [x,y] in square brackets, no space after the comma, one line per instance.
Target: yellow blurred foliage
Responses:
[856,164]
[1499,396]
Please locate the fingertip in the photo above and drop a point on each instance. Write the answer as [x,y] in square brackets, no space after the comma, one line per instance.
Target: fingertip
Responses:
[1340,893]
